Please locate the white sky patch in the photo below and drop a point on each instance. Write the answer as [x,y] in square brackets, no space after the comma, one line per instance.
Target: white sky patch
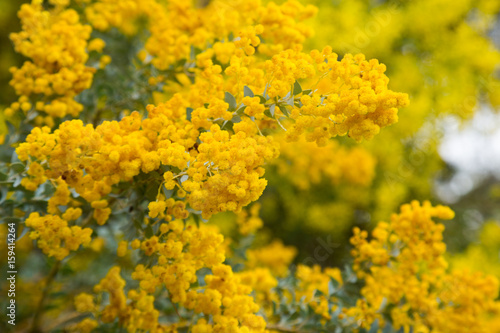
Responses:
[473,149]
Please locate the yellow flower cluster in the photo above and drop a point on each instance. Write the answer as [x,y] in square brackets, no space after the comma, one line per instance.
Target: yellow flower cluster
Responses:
[275,256]
[134,311]
[351,98]
[238,307]
[312,279]
[87,325]
[56,43]
[261,281]
[351,95]
[234,164]
[403,265]
[181,252]
[104,14]
[306,164]
[248,220]
[224,172]
[55,237]
[178,25]
[177,266]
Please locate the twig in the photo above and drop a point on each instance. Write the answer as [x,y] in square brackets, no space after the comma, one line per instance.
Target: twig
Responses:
[284,129]
[39,309]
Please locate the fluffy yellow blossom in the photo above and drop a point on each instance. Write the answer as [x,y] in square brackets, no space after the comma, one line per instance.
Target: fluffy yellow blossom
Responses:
[249,221]
[275,256]
[262,281]
[312,279]
[232,166]
[55,237]
[87,325]
[55,42]
[182,251]
[404,265]
[84,303]
[122,248]
[113,283]
[306,164]
[351,97]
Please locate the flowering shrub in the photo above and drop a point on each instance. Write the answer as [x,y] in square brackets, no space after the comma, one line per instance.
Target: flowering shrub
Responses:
[123,205]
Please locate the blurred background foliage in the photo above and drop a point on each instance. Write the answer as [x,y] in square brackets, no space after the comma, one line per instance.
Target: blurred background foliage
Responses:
[8,23]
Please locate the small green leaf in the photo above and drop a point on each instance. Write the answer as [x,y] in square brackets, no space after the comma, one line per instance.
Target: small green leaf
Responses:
[284,110]
[188,113]
[3,177]
[148,231]
[17,167]
[196,219]
[227,125]
[167,193]
[297,89]
[241,110]
[263,100]
[247,92]
[271,109]
[10,219]
[270,112]
[374,327]
[229,99]
[306,92]
[192,53]
[137,224]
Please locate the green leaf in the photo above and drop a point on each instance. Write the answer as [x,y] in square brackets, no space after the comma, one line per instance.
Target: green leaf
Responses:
[266,96]
[151,191]
[17,167]
[270,112]
[148,231]
[263,100]
[188,113]
[227,125]
[374,327]
[137,224]
[196,219]
[10,219]
[241,110]
[229,99]
[247,92]
[271,109]
[192,53]
[307,91]
[297,89]
[4,191]
[332,286]
[284,110]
